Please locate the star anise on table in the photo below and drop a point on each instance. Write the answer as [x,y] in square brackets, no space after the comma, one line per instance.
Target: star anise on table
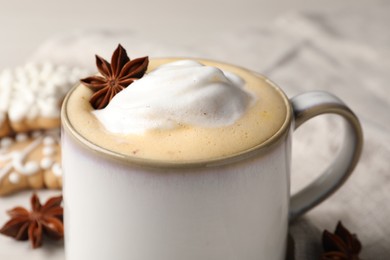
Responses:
[341,245]
[46,219]
[114,77]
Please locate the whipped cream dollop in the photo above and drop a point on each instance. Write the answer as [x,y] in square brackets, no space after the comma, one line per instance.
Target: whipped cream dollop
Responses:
[175,94]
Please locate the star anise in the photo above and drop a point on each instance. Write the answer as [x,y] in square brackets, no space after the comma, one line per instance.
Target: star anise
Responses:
[342,245]
[44,219]
[114,77]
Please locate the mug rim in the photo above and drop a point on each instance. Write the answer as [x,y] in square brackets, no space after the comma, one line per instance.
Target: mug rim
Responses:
[256,150]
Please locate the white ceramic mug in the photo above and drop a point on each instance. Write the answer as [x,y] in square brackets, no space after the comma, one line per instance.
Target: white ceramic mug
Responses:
[230,209]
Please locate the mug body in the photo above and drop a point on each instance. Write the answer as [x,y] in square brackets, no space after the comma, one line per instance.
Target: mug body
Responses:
[236,209]
[119,205]
[234,206]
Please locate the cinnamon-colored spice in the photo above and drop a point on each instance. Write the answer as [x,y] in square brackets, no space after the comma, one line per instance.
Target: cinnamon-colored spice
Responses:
[114,77]
[340,245]
[42,220]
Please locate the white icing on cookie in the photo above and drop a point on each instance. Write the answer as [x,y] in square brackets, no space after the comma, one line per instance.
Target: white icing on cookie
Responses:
[19,159]
[57,170]
[17,163]
[48,140]
[48,150]
[46,163]
[35,90]
[14,178]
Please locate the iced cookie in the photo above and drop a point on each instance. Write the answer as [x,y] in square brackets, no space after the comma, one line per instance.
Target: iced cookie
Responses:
[31,96]
[30,162]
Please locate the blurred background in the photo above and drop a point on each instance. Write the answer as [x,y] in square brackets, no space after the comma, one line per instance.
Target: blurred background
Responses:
[341,46]
[24,25]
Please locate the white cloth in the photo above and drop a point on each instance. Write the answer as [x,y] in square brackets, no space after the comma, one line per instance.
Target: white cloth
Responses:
[346,52]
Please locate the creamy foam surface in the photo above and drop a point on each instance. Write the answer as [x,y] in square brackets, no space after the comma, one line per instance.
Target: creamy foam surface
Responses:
[178,93]
[196,135]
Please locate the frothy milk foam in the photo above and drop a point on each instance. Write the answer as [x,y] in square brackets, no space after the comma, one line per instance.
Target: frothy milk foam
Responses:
[183,111]
[175,94]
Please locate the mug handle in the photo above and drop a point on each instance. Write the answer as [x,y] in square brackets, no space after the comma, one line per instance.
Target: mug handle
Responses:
[306,106]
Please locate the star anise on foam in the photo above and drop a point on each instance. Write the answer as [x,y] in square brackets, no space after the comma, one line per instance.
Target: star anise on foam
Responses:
[32,225]
[114,77]
[342,245]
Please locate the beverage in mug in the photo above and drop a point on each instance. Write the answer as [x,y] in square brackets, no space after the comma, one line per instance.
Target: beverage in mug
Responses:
[190,162]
